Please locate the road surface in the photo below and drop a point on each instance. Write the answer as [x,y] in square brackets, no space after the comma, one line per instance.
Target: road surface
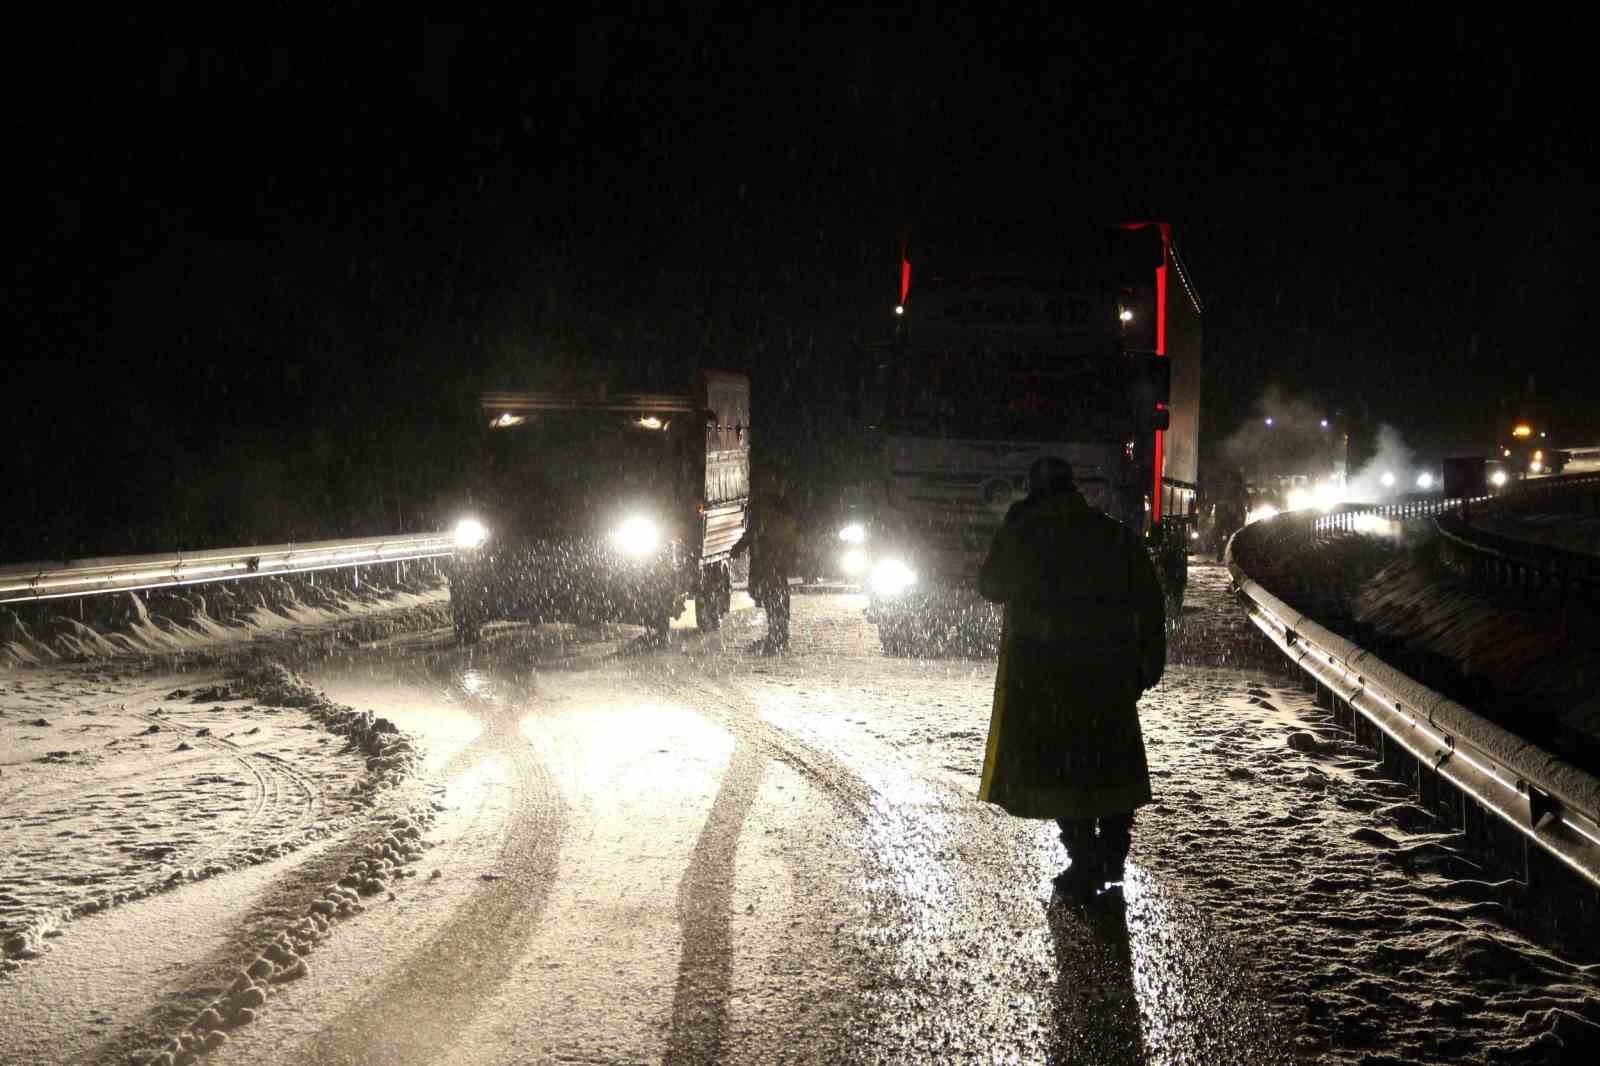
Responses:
[698,854]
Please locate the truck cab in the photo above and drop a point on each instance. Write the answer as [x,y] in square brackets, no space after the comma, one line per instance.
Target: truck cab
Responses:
[1090,354]
[592,508]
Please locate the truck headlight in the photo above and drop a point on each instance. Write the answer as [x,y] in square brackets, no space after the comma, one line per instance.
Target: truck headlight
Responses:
[892,577]
[470,533]
[854,533]
[636,536]
[853,562]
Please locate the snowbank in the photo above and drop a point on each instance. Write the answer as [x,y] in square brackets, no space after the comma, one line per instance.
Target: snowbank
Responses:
[115,789]
[175,621]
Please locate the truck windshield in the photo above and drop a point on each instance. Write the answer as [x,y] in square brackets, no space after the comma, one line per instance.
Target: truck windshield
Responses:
[567,470]
[1015,395]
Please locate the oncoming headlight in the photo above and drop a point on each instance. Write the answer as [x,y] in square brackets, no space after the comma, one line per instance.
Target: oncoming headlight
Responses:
[853,562]
[636,536]
[890,577]
[470,533]
[854,533]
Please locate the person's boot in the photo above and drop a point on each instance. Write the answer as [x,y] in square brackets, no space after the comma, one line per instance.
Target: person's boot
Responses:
[1079,880]
[1116,837]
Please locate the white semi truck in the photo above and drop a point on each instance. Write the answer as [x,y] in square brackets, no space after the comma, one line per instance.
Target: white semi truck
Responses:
[1091,353]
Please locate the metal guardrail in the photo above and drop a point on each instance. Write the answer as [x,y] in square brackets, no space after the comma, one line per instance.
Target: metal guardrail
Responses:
[1488,558]
[1346,518]
[85,577]
[1553,804]
[1517,566]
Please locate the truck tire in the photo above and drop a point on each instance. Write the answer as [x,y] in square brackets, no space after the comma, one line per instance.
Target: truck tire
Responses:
[896,641]
[467,621]
[1174,574]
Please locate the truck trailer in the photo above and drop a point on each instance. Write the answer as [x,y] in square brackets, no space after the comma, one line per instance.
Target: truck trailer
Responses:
[1090,353]
[603,508]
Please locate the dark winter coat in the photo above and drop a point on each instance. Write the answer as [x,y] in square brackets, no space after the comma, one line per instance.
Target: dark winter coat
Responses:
[1084,635]
[773,540]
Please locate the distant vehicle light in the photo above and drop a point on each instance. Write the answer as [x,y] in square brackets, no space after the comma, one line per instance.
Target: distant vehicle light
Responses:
[890,577]
[507,420]
[1326,496]
[853,562]
[1126,315]
[899,309]
[1539,455]
[469,534]
[650,422]
[1522,431]
[1387,479]
[1269,420]
[1266,512]
[854,533]
[1299,499]
[1505,453]
[1324,423]
[636,536]
[1497,478]
[1424,480]
[1536,466]
[1194,534]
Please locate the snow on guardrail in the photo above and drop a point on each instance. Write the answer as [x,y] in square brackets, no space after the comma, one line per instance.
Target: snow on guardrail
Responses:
[86,577]
[1553,804]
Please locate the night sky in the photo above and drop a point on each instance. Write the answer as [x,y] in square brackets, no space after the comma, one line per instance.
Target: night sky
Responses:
[263,266]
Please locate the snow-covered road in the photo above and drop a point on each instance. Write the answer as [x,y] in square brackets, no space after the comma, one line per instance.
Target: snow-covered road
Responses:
[698,855]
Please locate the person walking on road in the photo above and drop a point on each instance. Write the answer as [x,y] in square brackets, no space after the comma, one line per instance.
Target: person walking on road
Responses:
[1084,635]
[773,540]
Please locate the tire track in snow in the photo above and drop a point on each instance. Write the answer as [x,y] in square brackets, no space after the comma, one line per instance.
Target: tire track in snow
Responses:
[963,953]
[415,1012]
[94,843]
[704,986]
[705,913]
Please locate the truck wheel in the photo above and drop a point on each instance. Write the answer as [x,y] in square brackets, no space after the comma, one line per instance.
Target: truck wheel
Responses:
[468,624]
[895,640]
